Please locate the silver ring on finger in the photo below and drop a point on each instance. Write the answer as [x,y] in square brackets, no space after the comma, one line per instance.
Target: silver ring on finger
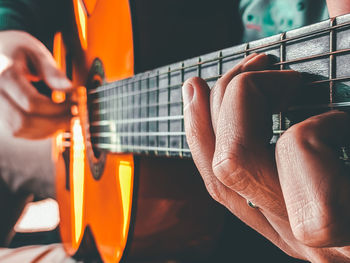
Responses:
[251,204]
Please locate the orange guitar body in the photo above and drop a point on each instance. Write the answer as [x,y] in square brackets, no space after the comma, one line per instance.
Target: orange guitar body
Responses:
[103,205]
[115,206]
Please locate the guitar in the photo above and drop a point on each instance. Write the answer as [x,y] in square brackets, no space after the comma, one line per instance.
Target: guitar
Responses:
[125,183]
[153,201]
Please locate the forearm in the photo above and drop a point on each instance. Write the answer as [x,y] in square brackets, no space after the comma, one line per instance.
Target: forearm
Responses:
[338,7]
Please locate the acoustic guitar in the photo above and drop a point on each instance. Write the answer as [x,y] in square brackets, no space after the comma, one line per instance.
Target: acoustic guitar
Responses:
[126,185]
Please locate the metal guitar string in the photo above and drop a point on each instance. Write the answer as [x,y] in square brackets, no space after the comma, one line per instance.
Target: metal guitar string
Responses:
[146,78]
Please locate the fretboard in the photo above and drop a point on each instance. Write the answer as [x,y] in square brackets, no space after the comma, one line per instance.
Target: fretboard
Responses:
[144,114]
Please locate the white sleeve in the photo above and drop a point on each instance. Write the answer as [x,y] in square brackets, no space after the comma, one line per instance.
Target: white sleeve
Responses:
[53,253]
[27,165]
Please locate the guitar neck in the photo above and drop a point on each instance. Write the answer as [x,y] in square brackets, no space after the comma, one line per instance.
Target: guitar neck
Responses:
[144,114]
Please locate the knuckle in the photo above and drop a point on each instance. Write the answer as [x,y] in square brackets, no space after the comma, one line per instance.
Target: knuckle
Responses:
[243,84]
[317,223]
[223,164]
[316,231]
[230,172]
[245,78]
[302,135]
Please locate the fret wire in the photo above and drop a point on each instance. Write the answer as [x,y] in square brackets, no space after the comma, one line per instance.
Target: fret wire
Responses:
[282,59]
[199,73]
[157,123]
[246,48]
[240,53]
[219,59]
[331,60]
[139,111]
[337,52]
[119,148]
[183,137]
[134,102]
[147,110]
[168,108]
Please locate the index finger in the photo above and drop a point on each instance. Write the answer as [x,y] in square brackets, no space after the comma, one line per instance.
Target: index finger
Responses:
[27,98]
[253,62]
[201,140]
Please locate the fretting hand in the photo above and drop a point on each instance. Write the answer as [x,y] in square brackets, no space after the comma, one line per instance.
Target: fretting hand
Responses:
[302,189]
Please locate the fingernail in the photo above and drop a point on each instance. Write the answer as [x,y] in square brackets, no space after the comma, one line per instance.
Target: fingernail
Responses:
[187,93]
[61,83]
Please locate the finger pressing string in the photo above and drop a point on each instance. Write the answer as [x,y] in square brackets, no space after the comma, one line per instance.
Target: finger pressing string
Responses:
[201,140]
[243,159]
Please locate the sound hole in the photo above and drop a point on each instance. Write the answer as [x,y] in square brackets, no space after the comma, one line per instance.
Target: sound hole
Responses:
[96,157]
[94,115]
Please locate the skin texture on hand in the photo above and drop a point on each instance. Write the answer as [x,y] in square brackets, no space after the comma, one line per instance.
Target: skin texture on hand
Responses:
[338,7]
[300,188]
[24,111]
